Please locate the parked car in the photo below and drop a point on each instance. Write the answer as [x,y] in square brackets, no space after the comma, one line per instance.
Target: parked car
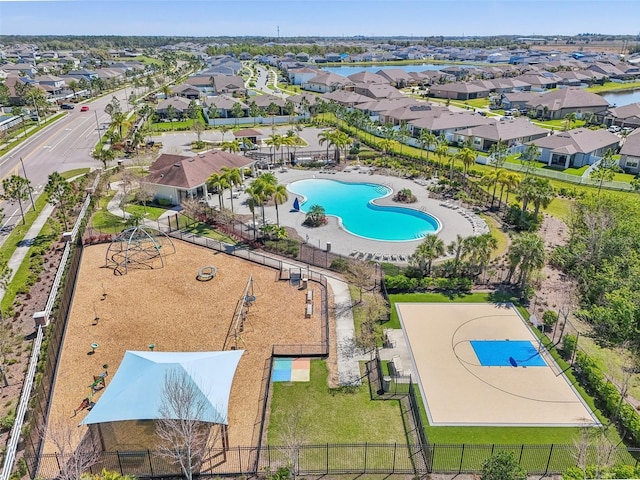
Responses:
[67,106]
[84,108]
[614,129]
[627,130]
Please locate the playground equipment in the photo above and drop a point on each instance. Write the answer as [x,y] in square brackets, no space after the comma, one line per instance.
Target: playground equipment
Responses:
[140,247]
[87,403]
[206,273]
[240,317]
[98,382]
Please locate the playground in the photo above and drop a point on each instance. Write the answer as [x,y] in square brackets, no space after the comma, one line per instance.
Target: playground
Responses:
[480,364]
[243,305]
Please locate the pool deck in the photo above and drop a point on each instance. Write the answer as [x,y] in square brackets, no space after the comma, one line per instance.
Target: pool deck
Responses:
[455,221]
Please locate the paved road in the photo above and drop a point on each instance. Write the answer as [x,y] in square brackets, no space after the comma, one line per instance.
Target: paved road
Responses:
[65,145]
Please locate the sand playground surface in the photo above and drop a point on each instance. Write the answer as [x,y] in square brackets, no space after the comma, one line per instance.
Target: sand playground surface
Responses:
[169,308]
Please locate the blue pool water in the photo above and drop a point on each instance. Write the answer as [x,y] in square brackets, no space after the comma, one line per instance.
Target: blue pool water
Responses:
[352,203]
[507,353]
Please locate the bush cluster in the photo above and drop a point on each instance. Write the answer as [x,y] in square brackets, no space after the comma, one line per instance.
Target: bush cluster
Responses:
[607,395]
[618,471]
[402,283]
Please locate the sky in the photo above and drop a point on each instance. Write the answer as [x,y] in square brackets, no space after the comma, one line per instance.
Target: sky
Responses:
[416,18]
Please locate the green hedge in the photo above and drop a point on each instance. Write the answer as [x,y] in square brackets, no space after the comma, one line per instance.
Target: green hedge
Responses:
[402,283]
[609,397]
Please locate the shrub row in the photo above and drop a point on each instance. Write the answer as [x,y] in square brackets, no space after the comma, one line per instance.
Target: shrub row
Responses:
[592,471]
[608,396]
[401,283]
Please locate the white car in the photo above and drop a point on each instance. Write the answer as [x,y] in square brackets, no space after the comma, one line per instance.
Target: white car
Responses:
[614,129]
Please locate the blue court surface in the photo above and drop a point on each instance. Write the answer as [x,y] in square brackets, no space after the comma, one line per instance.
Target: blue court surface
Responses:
[507,353]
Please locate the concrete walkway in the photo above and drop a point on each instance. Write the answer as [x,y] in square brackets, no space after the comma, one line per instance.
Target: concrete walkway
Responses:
[25,244]
[348,356]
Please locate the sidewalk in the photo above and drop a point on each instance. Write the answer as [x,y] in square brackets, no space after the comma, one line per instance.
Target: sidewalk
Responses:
[25,244]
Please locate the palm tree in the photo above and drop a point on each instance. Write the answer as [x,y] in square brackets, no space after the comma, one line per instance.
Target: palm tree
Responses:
[526,254]
[510,181]
[569,119]
[402,134]
[431,248]
[232,146]
[279,196]
[543,195]
[218,183]
[233,177]
[491,179]
[468,158]
[441,151]
[326,136]
[341,141]
[458,249]
[426,139]
[166,90]
[274,142]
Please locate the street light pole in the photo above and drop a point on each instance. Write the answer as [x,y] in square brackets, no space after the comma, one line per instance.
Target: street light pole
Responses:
[25,176]
[98,125]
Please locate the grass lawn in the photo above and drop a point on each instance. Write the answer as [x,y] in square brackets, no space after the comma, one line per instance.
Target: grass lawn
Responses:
[623,177]
[75,173]
[613,87]
[152,213]
[498,234]
[477,102]
[578,172]
[394,321]
[560,208]
[169,126]
[205,230]
[343,415]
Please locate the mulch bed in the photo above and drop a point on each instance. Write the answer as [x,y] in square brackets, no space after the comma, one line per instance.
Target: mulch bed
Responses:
[171,309]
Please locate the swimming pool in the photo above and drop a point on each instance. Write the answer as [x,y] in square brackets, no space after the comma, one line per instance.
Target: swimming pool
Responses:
[352,204]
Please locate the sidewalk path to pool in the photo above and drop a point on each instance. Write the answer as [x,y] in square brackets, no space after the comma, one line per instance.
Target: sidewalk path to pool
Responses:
[454,220]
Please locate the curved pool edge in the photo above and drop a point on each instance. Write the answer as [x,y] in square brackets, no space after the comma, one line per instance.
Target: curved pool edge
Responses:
[374,202]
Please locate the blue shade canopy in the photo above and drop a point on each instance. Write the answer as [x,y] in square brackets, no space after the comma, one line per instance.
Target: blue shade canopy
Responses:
[136,390]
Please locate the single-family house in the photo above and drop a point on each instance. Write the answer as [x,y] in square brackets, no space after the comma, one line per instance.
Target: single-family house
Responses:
[446,123]
[563,101]
[221,106]
[630,153]
[298,76]
[459,91]
[172,108]
[540,82]
[518,100]
[187,91]
[368,78]
[625,116]
[346,98]
[326,82]
[177,178]
[409,112]
[576,148]
[264,102]
[515,131]
[396,77]
[229,84]
[377,91]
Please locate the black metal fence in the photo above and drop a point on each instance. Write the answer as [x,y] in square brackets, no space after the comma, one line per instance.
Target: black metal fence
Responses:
[333,459]
[39,405]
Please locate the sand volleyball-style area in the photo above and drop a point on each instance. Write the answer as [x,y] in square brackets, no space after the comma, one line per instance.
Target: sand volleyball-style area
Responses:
[480,364]
[169,310]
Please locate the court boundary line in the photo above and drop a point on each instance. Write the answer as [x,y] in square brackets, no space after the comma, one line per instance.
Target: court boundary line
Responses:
[551,361]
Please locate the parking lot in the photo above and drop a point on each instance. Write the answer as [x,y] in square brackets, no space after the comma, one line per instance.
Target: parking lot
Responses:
[179,143]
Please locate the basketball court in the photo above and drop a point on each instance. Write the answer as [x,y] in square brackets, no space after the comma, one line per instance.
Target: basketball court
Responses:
[480,364]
